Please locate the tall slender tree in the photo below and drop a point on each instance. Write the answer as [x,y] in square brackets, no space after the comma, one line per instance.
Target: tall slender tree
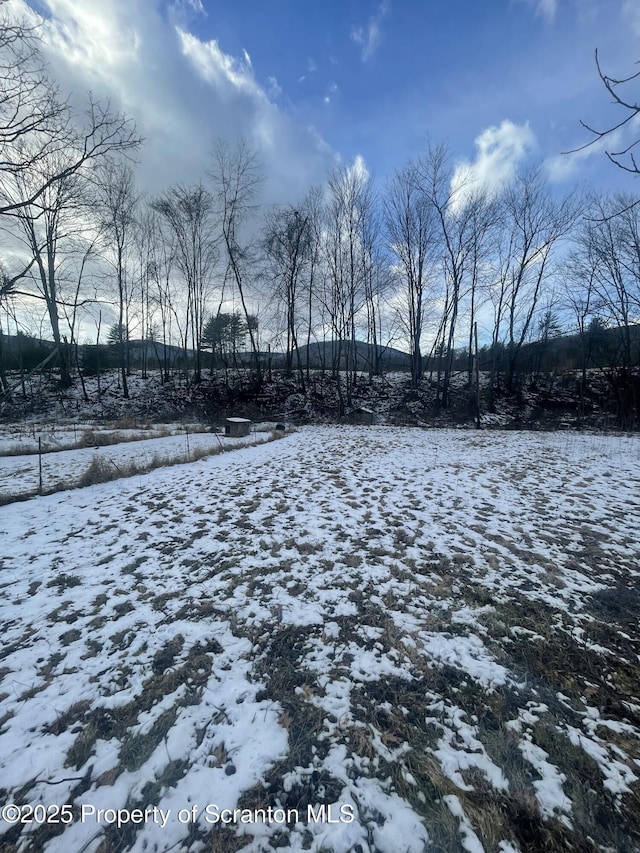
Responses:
[453,204]
[535,222]
[45,227]
[287,241]
[119,203]
[236,178]
[411,237]
[188,213]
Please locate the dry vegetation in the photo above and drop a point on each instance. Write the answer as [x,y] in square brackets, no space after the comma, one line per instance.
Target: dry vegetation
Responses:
[427,625]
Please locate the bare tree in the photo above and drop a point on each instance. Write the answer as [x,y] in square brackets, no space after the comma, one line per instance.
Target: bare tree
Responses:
[144,239]
[47,229]
[611,246]
[347,218]
[287,241]
[578,273]
[534,222]
[411,237]
[375,272]
[454,206]
[119,200]
[160,287]
[236,179]
[603,275]
[45,154]
[188,213]
[72,310]
[37,125]
[30,110]
[313,207]
[484,227]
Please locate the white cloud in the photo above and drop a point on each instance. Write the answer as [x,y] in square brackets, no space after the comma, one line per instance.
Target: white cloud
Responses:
[369,36]
[564,167]
[226,74]
[92,37]
[499,150]
[187,7]
[358,168]
[182,91]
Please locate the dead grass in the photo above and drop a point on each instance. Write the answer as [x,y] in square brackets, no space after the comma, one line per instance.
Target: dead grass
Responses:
[389,713]
[104,435]
[65,581]
[101,470]
[165,679]
[394,725]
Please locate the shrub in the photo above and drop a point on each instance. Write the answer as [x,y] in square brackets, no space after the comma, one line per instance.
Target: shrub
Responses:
[99,471]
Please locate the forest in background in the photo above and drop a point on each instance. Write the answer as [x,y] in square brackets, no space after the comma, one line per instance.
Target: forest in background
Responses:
[518,283]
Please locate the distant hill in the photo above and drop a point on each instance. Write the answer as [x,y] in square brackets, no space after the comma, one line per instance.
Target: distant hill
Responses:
[559,354]
[325,354]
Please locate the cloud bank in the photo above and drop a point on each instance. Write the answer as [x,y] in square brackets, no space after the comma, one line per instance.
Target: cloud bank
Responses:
[182,91]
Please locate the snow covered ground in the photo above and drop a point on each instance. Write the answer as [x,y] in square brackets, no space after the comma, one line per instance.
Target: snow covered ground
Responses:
[353,639]
[20,474]
[26,437]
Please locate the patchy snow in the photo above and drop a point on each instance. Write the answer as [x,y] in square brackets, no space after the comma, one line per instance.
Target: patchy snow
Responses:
[19,475]
[618,776]
[469,840]
[466,653]
[549,791]
[460,749]
[31,436]
[348,617]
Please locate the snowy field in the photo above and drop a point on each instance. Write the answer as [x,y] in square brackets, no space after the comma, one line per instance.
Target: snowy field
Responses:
[352,639]
[25,437]
[20,473]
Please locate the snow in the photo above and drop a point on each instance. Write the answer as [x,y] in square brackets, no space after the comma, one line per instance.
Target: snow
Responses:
[167,637]
[454,759]
[29,437]
[19,475]
[470,841]
[618,776]
[549,792]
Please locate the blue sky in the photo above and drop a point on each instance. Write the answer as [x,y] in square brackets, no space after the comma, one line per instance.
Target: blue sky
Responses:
[500,81]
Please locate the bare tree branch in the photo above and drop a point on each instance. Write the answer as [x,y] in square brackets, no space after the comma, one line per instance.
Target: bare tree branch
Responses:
[612,85]
[36,124]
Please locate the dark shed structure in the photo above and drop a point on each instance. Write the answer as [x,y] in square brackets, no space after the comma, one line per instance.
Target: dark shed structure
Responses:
[237,427]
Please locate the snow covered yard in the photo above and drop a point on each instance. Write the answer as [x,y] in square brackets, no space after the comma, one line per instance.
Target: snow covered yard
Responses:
[22,438]
[435,632]
[116,451]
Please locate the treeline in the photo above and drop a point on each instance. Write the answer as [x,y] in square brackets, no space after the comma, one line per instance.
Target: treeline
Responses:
[546,358]
[430,261]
